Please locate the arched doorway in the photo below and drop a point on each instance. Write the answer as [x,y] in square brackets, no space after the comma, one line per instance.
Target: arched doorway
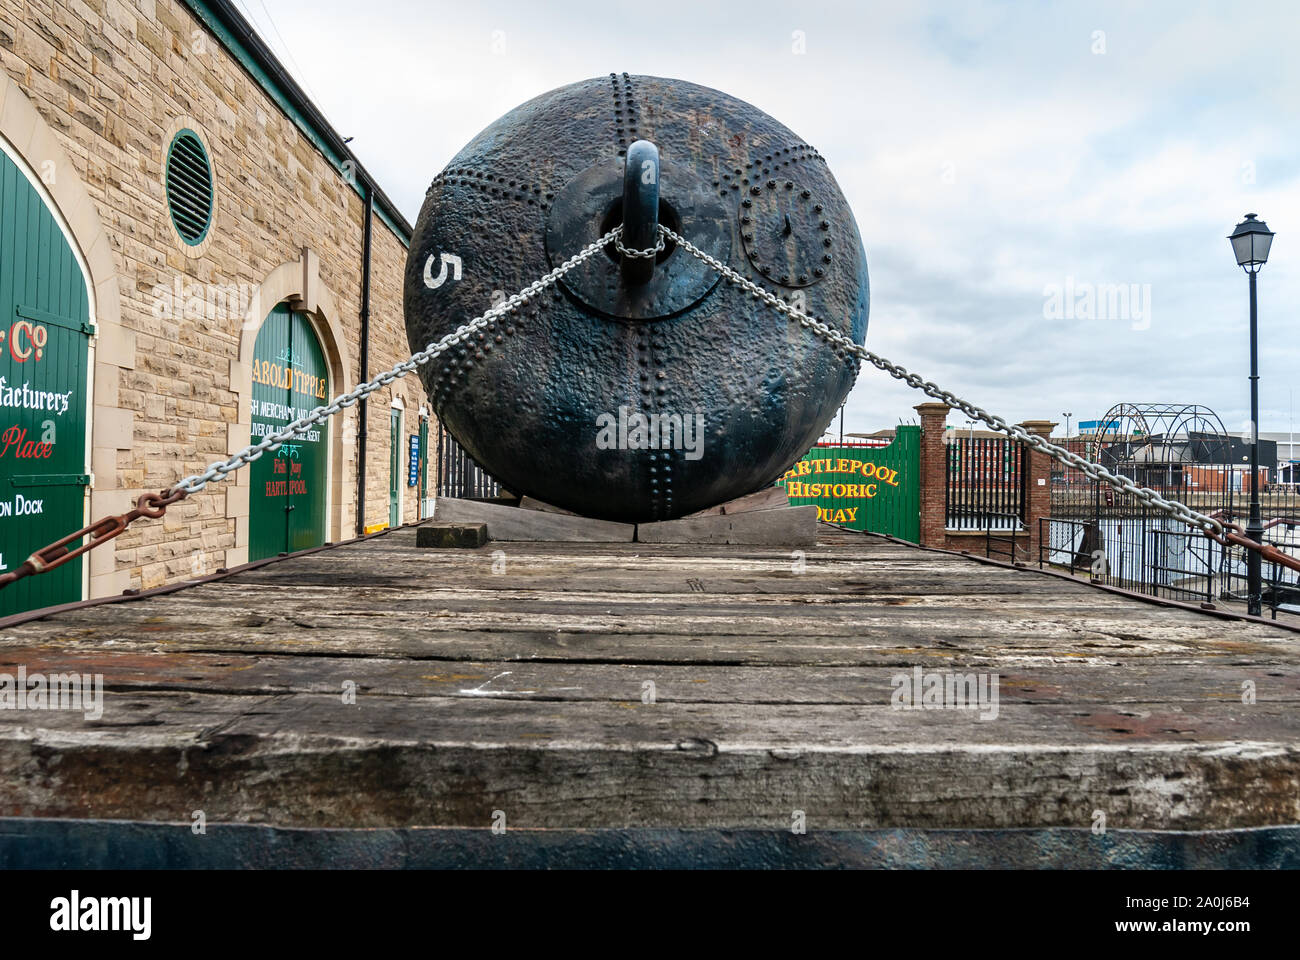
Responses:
[45,332]
[287,502]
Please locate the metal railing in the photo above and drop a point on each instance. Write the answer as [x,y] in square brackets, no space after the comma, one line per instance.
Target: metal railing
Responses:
[1002,536]
[458,475]
[1069,544]
[1139,553]
[987,478]
[1183,565]
[1281,587]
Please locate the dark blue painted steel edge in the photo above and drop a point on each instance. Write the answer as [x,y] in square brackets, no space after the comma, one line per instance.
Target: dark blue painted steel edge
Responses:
[114,844]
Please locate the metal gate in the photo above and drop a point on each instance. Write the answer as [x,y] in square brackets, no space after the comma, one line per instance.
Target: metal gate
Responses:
[460,476]
[45,333]
[287,500]
[987,483]
[863,486]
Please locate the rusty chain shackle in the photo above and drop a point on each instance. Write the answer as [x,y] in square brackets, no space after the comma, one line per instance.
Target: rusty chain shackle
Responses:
[1233,535]
[151,505]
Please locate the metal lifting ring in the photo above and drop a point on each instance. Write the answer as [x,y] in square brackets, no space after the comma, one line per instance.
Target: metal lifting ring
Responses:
[640,212]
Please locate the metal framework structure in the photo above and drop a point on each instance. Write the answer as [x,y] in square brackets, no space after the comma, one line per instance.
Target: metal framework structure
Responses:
[1156,443]
[1183,451]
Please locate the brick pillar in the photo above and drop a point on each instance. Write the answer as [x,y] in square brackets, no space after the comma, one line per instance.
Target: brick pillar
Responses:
[1038,503]
[934,472]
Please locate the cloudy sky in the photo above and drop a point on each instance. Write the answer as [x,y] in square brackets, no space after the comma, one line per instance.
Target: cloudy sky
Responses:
[994,154]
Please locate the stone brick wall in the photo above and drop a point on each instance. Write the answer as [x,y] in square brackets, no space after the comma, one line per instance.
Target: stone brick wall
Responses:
[113,80]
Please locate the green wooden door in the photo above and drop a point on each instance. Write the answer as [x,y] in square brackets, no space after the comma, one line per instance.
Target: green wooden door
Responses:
[44,341]
[287,500]
[423,453]
[395,468]
[863,488]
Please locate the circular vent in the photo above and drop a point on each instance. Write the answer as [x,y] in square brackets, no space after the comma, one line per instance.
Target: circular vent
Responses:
[188,176]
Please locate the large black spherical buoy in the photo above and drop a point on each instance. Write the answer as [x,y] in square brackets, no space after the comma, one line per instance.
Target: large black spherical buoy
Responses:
[639,388]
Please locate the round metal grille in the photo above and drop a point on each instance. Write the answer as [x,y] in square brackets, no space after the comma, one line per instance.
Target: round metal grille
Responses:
[188,177]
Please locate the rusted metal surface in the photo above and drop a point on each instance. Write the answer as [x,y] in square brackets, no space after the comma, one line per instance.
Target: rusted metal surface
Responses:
[548,178]
[1233,534]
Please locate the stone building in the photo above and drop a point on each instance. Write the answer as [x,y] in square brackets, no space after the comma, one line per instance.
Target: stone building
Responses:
[183,244]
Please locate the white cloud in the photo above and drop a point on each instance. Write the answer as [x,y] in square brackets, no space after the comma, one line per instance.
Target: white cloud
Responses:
[1124,167]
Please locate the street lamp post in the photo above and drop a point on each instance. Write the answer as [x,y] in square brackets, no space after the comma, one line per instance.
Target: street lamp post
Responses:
[1250,245]
[1067,424]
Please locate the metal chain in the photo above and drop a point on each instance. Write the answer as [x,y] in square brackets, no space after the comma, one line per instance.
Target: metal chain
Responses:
[221,468]
[155,505]
[645,254]
[1096,471]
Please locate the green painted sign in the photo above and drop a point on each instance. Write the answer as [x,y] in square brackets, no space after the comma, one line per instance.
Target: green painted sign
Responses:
[290,378]
[863,488]
[44,343]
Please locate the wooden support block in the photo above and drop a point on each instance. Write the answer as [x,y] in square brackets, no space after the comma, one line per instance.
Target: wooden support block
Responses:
[528,503]
[451,535]
[512,523]
[769,498]
[784,526]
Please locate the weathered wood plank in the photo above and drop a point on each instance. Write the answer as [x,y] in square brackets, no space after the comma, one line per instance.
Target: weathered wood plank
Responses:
[313,761]
[460,536]
[512,523]
[772,692]
[528,503]
[262,673]
[785,527]
[765,499]
[292,637]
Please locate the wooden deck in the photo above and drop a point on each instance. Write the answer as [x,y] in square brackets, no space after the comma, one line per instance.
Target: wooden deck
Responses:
[524,691]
